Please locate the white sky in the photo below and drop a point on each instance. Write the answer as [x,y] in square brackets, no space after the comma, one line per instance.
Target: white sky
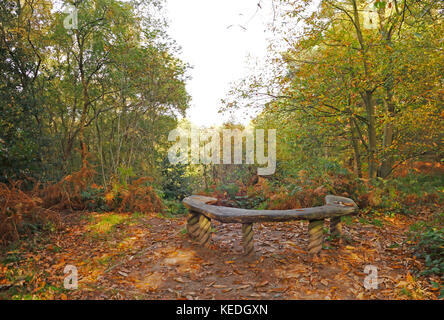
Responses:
[217,52]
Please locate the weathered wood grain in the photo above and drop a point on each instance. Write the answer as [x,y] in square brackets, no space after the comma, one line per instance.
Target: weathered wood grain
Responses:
[202,211]
[193,224]
[247,239]
[204,236]
[335,207]
[315,232]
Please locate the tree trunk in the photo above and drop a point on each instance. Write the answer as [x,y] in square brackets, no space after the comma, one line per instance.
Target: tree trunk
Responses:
[85,102]
[371,117]
[387,162]
[356,154]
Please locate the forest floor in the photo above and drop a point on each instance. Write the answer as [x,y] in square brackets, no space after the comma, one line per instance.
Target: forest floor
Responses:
[139,256]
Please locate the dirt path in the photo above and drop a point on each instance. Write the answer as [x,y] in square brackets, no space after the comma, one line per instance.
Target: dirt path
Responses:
[120,256]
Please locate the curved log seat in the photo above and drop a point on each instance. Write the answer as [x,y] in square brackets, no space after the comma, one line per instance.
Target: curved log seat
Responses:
[335,206]
[202,211]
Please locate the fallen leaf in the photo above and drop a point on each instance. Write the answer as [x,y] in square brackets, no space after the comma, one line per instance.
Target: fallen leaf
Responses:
[263,283]
[179,279]
[243,287]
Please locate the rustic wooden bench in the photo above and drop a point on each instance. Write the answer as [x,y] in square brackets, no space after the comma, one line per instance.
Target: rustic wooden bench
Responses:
[202,210]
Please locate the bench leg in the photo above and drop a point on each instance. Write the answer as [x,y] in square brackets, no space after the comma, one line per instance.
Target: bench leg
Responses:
[204,235]
[193,225]
[247,239]
[336,227]
[315,232]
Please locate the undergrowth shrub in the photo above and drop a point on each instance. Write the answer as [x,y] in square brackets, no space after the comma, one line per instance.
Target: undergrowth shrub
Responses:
[229,190]
[137,196]
[428,244]
[395,195]
[22,212]
[402,194]
[174,207]
[176,181]
[303,191]
[93,195]
[67,193]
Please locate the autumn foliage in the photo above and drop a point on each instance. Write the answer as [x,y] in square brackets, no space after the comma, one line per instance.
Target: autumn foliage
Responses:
[304,190]
[20,210]
[66,194]
[134,197]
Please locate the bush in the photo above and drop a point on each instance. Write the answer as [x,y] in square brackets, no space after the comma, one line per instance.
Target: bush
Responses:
[67,193]
[230,190]
[137,196]
[174,207]
[401,194]
[428,244]
[176,183]
[94,197]
[22,213]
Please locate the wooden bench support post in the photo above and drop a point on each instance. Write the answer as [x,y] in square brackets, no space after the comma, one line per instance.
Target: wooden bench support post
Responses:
[247,239]
[202,210]
[193,225]
[204,235]
[315,231]
[336,227]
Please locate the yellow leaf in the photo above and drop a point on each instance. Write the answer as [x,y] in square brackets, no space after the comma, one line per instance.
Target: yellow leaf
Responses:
[409,278]
[109,196]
